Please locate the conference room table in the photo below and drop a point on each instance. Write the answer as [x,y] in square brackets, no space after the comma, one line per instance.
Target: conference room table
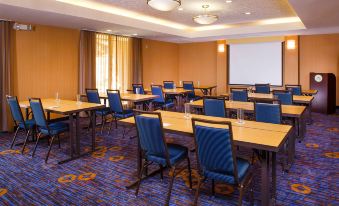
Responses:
[264,137]
[205,89]
[306,92]
[294,112]
[71,109]
[137,99]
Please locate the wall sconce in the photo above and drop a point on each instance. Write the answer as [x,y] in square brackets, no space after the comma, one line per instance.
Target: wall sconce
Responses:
[221,48]
[291,44]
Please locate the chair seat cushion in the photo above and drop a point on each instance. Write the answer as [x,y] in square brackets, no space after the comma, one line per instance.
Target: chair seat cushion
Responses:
[176,153]
[103,112]
[30,123]
[125,114]
[55,128]
[243,166]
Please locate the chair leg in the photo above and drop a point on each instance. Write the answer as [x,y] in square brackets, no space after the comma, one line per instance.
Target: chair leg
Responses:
[197,191]
[189,171]
[59,141]
[116,122]
[161,172]
[103,121]
[90,123]
[49,149]
[15,135]
[241,194]
[172,174]
[213,187]
[23,147]
[140,177]
[36,144]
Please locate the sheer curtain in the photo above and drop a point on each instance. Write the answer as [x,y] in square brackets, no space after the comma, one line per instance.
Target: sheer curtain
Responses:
[113,62]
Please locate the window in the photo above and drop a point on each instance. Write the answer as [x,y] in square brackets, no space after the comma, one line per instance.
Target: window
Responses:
[113,62]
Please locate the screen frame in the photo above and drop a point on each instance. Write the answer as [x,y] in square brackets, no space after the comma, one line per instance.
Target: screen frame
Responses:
[282,67]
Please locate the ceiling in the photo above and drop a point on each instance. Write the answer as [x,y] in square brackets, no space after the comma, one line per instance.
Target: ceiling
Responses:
[126,17]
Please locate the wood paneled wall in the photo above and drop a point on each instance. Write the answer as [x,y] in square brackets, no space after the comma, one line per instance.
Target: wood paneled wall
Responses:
[46,62]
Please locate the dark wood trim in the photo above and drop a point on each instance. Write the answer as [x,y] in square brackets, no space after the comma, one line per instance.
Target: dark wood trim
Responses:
[299,59]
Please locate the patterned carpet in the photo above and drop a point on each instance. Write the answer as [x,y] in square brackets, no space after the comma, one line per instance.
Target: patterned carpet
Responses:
[100,178]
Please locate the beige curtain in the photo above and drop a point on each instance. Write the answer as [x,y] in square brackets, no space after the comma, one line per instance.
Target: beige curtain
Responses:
[137,61]
[6,53]
[87,64]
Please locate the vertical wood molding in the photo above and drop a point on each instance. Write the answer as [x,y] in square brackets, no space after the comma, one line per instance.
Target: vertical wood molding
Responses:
[221,69]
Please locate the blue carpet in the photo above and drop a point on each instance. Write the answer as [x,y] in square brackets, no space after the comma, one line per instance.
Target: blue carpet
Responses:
[100,178]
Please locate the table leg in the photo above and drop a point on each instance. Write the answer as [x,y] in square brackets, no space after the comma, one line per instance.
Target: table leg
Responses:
[77,133]
[93,116]
[265,192]
[310,121]
[274,177]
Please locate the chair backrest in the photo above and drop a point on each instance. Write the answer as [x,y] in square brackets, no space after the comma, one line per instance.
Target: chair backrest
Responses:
[239,94]
[285,96]
[157,90]
[93,96]
[268,112]
[214,106]
[294,88]
[38,112]
[15,109]
[262,88]
[114,101]
[214,147]
[189,85]
[141,88]
[150,134]
[168,84]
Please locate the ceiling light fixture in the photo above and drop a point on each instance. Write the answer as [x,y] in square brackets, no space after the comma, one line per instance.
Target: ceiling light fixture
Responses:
[205,18]
[247,13]
[108,30]
[164,5]
[180,8]
[228,1]
[135,34]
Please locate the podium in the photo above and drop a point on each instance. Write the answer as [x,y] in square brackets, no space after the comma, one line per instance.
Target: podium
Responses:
[325,100]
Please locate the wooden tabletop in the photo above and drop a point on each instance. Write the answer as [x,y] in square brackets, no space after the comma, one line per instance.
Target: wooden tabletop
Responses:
[202,86]
[130,97]
[167,91]
[296,98]
[251,134]
[287,110]
[310,91]
[64,106]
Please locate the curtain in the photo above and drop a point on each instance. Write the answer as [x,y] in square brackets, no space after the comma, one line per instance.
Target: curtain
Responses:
[6,49]
[137,61]
[113,62]
[87,55]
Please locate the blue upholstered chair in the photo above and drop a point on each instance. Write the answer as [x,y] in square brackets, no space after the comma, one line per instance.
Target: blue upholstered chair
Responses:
[239,94]
[51,130]
[216,158]
[116,107]
[188,85]
[141,88]
[21,124]
[294,88]
[154,149]
[215,106]
[160,101]
[262,88]
[168,84]
[269,112]
[93,97]
[285,97]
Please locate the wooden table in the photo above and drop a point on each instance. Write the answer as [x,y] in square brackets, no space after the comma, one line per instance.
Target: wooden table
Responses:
[306,92]
[295,112]
[265,137]
[205,89]
[70,109]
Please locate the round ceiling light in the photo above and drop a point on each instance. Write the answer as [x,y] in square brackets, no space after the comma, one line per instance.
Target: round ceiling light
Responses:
[205,18]
[164,5]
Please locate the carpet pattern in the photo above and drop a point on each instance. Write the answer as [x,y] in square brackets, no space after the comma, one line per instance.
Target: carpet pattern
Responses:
[100,178]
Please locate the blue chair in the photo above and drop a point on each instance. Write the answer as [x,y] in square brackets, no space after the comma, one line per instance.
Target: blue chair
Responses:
[285,97]
[215,106]
[154,149]
[21,124]
[116,107]
[262,88]
[168,84]
[51,130]
[216,158]
[93,97]
[141,88]
[160,101]
[188,85]
[294,88]
[269,112]
[239,94]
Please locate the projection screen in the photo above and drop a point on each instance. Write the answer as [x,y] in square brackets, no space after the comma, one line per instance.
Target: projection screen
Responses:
[253,63]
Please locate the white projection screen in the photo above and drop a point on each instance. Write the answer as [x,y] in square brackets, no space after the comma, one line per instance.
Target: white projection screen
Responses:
[253,63]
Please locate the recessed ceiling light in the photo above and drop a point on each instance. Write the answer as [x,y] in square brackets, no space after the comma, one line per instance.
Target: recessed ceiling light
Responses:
[180,8]
[135,34]
[247,13]
[108,30]
[228,1]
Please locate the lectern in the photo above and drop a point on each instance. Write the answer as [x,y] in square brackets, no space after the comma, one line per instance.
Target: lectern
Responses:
[325,99]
